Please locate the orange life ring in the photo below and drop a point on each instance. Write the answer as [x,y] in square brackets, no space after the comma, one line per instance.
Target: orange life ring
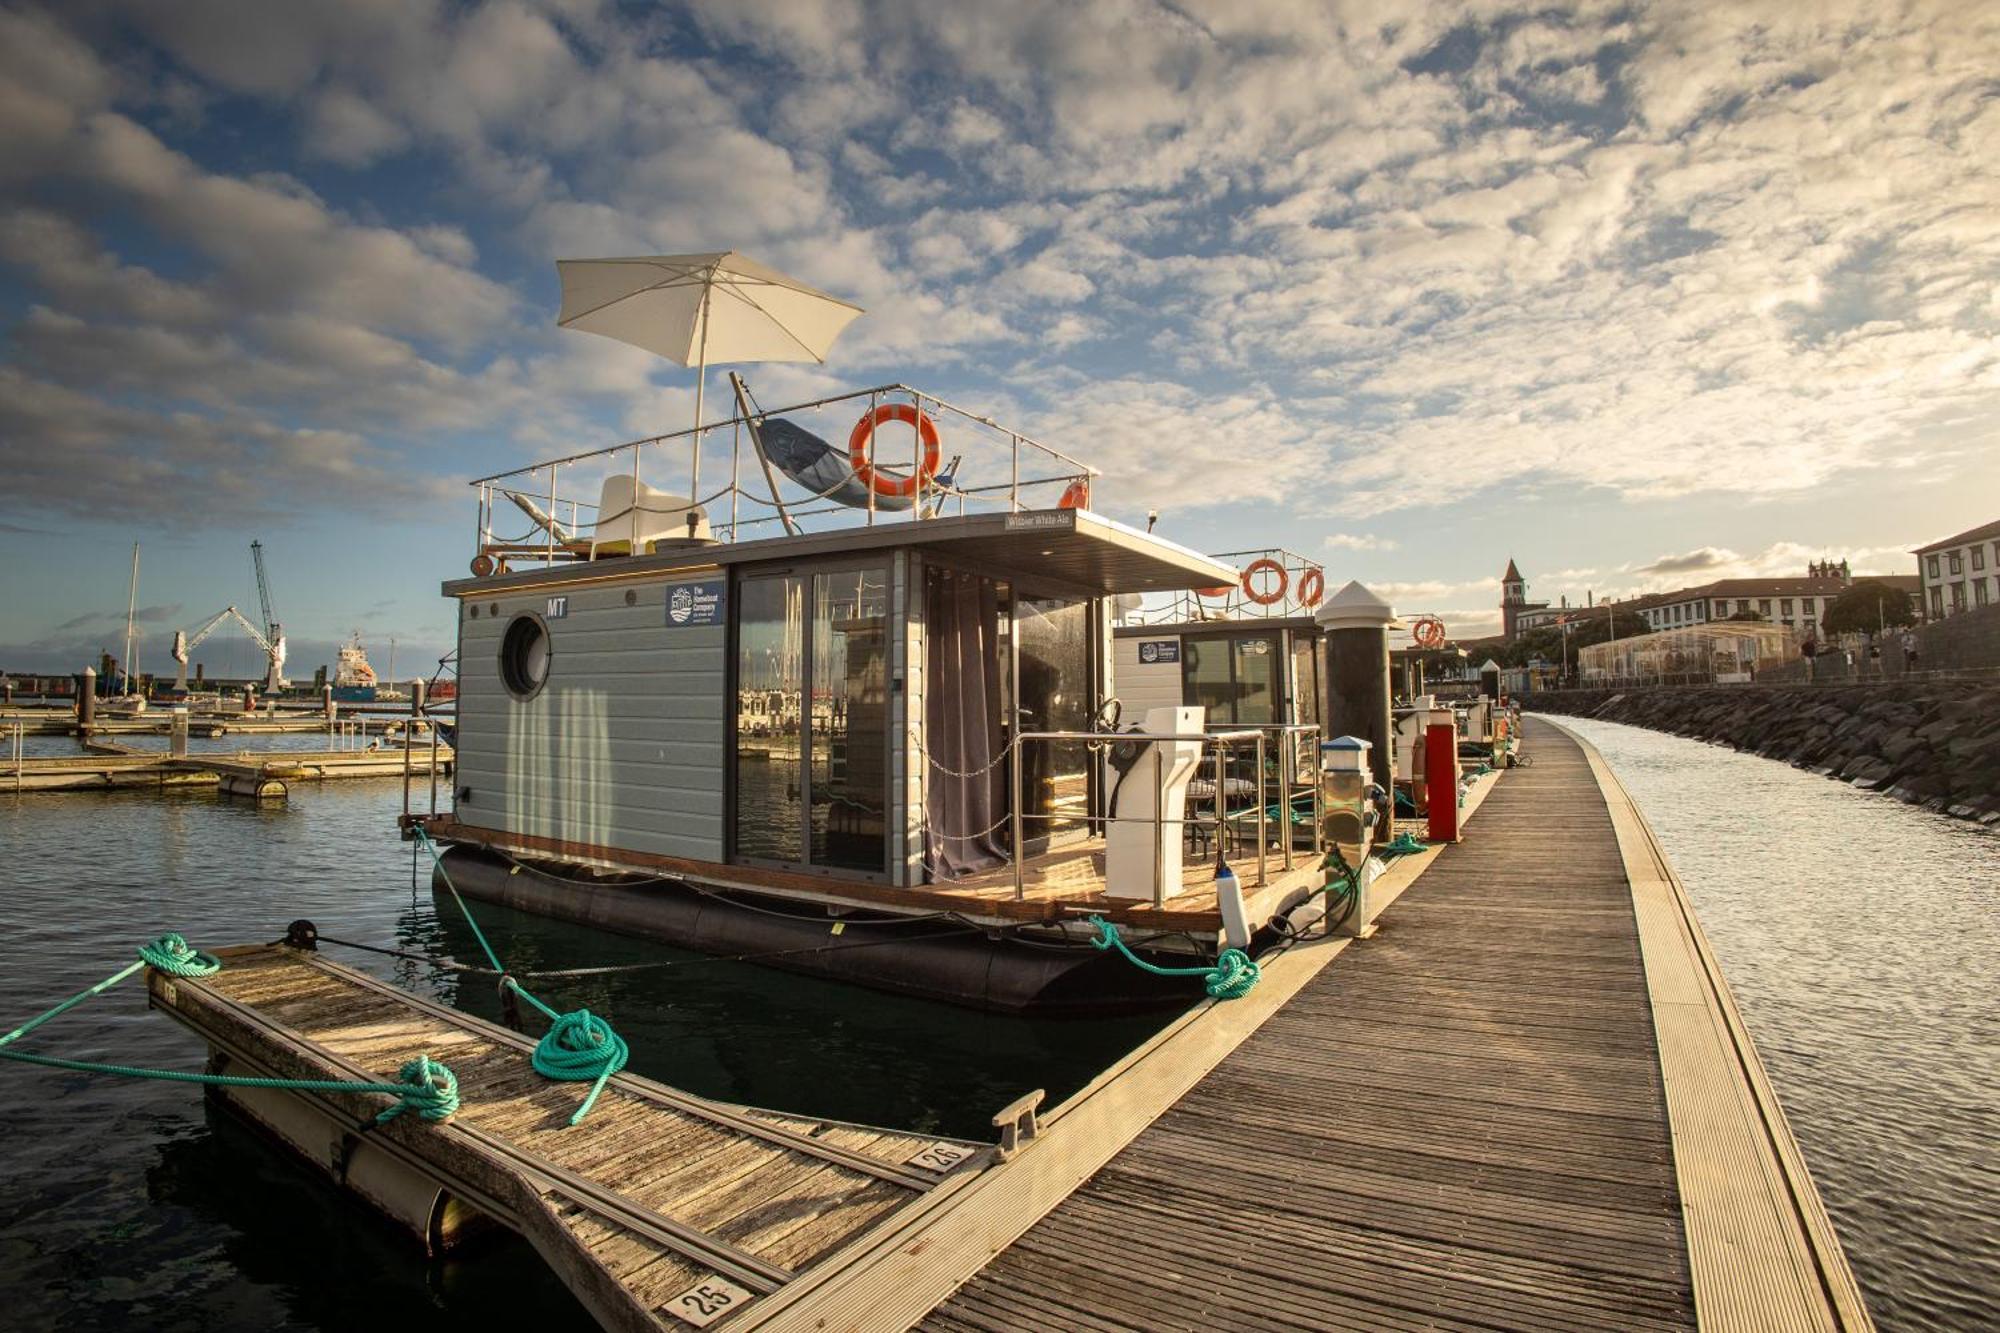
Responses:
[1427,632]
[1277,594]
[1077,496]
[1221,591]
[888,484]
[1312,586]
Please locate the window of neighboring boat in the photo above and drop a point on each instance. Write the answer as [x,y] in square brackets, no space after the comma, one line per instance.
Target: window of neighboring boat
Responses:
[524,656]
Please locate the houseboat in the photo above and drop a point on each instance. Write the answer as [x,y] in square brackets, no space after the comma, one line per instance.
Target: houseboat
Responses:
[878,725]
[1247,653]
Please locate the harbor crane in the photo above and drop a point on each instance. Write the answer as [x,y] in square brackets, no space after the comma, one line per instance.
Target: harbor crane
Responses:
[271,631]
[273,645]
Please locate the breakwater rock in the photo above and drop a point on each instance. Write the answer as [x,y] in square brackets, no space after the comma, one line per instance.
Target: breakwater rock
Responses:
[1935,744]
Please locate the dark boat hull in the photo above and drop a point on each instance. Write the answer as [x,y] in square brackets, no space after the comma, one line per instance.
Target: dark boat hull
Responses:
[934,959]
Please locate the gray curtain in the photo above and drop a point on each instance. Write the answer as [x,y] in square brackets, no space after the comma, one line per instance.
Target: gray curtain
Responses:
[962,724]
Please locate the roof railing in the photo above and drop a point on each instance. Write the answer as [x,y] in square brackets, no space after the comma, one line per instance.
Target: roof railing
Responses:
[1272,583]
[866,478]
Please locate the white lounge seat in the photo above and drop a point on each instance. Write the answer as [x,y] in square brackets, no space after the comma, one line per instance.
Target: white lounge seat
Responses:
[635,519]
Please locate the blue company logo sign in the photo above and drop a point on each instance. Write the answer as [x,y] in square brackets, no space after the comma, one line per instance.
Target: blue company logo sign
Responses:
[691,604]
[1159,650]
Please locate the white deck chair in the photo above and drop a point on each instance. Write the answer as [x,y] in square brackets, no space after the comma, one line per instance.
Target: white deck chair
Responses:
[634,518]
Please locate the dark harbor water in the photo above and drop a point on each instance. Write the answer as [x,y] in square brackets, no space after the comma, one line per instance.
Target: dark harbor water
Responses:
[132,1205]
[1861,938]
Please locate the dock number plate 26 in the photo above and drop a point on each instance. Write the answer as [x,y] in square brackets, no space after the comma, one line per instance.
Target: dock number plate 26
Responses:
[707,1301]
[940,1157]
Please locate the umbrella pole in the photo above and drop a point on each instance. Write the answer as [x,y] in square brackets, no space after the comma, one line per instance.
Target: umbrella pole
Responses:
[700,382]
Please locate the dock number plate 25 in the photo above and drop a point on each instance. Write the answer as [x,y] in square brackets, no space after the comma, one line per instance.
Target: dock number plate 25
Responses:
[707,1301]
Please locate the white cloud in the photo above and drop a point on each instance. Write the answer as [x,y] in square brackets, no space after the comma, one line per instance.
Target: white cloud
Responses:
[1357,541]
[1274,239]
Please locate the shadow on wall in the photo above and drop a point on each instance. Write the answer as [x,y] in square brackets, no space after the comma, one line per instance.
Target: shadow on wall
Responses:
[570,797]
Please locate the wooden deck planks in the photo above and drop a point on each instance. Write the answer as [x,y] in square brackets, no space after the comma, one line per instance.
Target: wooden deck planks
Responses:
[613,1201]
[1462,1123]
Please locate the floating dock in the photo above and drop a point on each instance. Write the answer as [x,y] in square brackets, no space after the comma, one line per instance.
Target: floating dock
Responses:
[249,771]
[658,1209]
[159,722]
[1527,1102]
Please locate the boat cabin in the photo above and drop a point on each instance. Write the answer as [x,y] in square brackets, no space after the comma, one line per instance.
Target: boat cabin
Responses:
[1246,652]
[900,697]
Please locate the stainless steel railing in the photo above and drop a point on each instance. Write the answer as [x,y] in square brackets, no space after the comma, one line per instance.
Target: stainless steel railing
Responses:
[1221,742]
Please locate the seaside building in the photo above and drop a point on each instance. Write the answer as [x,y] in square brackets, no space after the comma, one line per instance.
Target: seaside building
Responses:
[1799,605]
[1960,573]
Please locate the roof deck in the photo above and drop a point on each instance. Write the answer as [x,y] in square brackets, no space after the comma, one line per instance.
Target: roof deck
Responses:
[889,466]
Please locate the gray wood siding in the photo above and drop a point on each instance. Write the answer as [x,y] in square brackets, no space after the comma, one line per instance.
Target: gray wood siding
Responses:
[623,747]
[1143,685]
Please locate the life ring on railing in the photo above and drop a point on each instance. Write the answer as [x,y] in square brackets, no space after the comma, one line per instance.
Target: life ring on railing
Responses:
[887,484]
[1276,594]
[1219,590]
[1427,632]
[1077,496]
[1312,587]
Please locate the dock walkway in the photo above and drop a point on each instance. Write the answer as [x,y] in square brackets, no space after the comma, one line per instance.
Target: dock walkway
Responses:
[1469,1121]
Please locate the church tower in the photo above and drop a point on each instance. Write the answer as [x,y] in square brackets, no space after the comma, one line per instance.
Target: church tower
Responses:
[1513,598]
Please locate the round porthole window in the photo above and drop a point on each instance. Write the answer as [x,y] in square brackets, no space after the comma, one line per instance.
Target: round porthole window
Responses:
[524,656]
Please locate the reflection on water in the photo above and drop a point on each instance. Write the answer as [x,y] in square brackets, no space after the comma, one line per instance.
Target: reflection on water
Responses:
[1861,938]
[127,1204]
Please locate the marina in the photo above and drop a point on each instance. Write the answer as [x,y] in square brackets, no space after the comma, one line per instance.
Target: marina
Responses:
[971,669]
[1631,1153]
[894,752]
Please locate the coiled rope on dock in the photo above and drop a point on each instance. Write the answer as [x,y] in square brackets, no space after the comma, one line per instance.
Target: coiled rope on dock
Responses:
[423,1085]
[1403,844]
[1231,977]
[579,1046]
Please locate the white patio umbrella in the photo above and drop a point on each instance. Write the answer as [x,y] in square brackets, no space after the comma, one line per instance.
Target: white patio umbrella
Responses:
[694,309]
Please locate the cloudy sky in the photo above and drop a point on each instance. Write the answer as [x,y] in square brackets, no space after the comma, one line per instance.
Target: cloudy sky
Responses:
[1637,294]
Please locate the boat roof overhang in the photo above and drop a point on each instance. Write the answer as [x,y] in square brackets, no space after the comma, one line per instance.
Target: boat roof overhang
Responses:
[1247,626]
[1075,547]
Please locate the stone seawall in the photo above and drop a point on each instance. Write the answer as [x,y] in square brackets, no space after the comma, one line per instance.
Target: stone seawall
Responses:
[1931,743]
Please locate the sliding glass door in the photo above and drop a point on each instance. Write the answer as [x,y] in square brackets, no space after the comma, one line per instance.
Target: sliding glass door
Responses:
[812,718]
[1052,647]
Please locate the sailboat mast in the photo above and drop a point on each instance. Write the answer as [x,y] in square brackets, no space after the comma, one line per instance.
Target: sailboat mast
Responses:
[131,607]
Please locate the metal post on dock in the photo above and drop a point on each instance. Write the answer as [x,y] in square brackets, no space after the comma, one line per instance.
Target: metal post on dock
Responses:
[86,702]
[434,766]
[178,745]
[410,736]
[1263,834]
[1159,827]
[1221,801]
[1014,797]
[20,729]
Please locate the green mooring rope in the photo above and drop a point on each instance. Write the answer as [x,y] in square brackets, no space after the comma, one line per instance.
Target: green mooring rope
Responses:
[424,1085]
[579,1047]
[1402,845]
[1231,978]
